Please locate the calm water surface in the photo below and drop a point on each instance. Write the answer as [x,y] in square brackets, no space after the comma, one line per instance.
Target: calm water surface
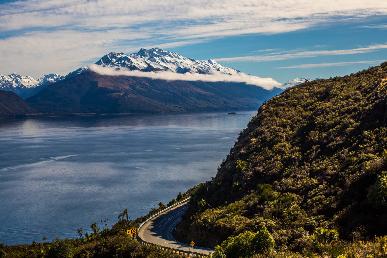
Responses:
[61,174]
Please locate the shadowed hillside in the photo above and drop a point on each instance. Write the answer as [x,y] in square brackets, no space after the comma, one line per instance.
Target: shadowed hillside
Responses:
[12,105]
[89,92]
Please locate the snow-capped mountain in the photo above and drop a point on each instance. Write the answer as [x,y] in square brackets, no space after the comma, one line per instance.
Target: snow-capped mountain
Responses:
[50,79]
[294,82]
[26,86]
[156,59]
[153,81]
[17,81]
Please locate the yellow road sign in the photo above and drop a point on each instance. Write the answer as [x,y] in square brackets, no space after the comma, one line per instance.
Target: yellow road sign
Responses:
[132,232]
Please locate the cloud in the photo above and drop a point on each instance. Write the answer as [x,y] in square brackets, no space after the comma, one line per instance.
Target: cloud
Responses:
[129,24]
[42,52]
[266,83]
[335,64]
[375,26]
[286,55]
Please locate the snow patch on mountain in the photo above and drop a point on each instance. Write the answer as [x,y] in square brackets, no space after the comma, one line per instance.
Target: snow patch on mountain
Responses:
[50,79]
[15,80]
[156,60]
[20,81]
[294,82]
[26,86]
[160,64]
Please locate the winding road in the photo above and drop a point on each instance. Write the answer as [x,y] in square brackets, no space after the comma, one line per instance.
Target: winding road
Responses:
[159,230]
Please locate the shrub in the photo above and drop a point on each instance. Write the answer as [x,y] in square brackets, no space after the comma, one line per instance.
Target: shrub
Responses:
[245,244]
[242,166]
[202,204]
[325,236]
[266,192]
[263,240]
[60,249]
[377,194]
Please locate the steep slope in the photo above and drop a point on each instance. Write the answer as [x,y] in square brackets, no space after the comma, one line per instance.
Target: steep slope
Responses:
[88,92]
[12,105]
[311,167]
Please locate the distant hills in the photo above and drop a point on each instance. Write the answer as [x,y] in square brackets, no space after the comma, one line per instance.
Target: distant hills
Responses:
[309,172]
[90,92]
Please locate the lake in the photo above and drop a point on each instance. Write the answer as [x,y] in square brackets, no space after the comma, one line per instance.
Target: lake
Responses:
[61,174]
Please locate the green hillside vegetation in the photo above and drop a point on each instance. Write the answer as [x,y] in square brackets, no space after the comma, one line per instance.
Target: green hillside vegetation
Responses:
[310,171]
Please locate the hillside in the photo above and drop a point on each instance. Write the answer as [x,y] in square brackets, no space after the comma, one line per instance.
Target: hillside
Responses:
[90,92]
[309,170]
[12,105]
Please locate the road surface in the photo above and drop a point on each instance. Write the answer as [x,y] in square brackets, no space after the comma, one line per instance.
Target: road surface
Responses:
[159,231]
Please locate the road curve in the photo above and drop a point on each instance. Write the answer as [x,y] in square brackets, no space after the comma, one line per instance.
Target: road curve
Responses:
[159,230]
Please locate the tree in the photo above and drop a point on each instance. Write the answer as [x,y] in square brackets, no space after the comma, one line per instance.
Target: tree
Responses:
[123,215]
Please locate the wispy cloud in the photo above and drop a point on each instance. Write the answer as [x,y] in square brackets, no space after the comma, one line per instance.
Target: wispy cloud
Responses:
[376,26]
[333,64]
[266,83]
[127,24]
[286,55]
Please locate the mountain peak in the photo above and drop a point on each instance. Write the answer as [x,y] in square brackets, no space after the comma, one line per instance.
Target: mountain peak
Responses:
[157,59]
[154,52]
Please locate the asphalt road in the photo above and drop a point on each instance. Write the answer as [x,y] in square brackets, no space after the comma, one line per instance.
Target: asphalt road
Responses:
[159,231]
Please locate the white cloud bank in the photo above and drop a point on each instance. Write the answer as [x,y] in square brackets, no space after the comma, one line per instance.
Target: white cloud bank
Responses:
[266,83]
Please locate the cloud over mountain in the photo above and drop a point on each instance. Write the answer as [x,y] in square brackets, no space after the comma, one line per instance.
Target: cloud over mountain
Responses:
[266,83]
[156,63]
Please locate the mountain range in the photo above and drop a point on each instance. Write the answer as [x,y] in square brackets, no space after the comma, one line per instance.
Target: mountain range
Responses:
[26,86]
[148,81]
[156,60]
[152,81]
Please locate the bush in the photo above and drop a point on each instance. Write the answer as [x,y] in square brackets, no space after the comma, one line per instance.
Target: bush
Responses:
[245,244]
[325,236]
[60,249]
[242,166]
[263,240]
[266,192]
[377,194]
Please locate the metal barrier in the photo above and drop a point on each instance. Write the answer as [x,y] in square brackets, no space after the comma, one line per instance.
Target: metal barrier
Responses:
[184,253]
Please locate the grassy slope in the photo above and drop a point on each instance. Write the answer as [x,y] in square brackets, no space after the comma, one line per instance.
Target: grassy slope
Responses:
[313,159]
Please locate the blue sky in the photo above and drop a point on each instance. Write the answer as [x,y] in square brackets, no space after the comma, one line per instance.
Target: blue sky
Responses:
[278,39]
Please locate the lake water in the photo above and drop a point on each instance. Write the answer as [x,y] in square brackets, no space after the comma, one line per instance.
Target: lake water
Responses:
[61,174]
